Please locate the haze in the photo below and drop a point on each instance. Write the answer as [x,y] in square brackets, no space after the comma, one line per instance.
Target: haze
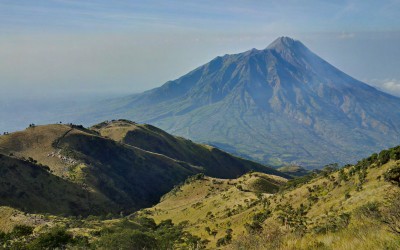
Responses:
[54,47]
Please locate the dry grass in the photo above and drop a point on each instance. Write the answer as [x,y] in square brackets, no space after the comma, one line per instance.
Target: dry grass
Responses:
[194,200]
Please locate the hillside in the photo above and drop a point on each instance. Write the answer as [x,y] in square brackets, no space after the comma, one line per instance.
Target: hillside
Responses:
[31,187]
[350,208]
[118,173]
[215,162]
[101,174]
[356,207]
[280,105]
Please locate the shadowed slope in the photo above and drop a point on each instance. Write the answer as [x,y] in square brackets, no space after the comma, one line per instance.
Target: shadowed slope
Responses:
[128,178]
[215,162]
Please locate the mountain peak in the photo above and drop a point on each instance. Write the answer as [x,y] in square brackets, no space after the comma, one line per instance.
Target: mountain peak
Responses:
[285,42]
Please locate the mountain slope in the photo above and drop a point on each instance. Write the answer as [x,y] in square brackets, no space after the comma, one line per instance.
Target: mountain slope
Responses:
[342,209]
[31,187]
[104,174]
[215,162]
[125,177]
[283,104]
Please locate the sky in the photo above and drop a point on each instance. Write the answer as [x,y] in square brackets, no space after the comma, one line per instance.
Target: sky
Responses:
[101,46]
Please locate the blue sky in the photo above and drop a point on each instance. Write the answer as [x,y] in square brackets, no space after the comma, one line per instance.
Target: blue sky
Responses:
[130,46]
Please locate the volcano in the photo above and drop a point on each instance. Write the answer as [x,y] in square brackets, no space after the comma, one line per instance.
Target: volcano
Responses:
[283,104]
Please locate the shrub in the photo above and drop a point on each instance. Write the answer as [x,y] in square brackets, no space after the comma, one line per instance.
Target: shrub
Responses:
[253,228]
[4,237]
[55,238]
[21,230]
[393,175]
[369,210]
[391,216]
[126,239]
[342,176]
[333,223]
[271,239]
[395,153]
[384,157]
[226,239]
[261,216]
[146,222]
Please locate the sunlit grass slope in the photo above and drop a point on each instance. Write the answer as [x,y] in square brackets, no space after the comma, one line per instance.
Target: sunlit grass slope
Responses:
[343,209]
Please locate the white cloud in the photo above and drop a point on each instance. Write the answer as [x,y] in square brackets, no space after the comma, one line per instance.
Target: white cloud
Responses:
[391,86]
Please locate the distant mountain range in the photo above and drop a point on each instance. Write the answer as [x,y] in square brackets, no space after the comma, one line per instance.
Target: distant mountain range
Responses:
[113,166]
[280,105]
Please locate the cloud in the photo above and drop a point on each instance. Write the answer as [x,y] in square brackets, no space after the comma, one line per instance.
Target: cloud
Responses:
[346,35]
[391,86]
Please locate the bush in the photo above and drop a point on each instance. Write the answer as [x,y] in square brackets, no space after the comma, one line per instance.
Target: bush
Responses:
[395,153]
[342,176]
[253,228]
[226,239]
[272,239]
[55,238]
[4,237]
[391,216]
[148,223]
[393,175]
[384,157]
[333,223]
[21,230]
[127,239]
[261,216]
[369,210]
